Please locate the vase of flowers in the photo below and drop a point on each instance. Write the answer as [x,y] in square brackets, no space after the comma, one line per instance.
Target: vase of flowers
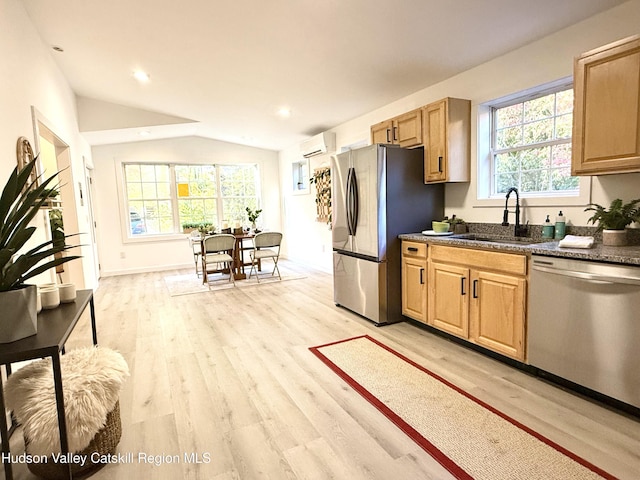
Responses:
[253,215]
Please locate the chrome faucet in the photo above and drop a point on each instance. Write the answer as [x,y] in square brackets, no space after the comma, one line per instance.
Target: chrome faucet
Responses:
[519,231]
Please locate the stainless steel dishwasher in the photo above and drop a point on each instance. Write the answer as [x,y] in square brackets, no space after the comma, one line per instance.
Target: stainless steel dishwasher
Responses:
[584,324]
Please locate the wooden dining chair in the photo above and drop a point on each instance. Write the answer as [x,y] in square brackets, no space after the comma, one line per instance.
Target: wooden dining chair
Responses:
[218,250]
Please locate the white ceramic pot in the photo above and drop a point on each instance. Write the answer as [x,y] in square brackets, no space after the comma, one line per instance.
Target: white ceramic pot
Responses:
[614,238]
[67,292]
[50,297]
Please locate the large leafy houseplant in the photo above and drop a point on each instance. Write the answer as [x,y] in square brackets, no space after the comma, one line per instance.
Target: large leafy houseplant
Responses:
[616,217]
[614,220]
[19,204]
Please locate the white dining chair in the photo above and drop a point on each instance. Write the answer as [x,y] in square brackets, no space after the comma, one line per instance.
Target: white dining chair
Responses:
[218,250]
[265,245]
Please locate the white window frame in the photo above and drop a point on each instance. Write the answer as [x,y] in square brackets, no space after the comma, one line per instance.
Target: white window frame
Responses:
[484,176]
[177,234]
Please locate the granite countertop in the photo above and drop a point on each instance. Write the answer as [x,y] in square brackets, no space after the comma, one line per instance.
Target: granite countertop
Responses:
[629,255]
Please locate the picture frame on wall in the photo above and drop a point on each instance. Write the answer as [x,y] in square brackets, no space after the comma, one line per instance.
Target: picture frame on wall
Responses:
[25,155]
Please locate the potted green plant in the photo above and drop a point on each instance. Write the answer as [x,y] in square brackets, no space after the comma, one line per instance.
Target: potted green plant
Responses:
[20,202]
[253,215]
[458,225]
[614,220]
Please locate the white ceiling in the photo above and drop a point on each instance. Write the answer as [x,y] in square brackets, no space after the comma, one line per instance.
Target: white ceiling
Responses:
[229,65]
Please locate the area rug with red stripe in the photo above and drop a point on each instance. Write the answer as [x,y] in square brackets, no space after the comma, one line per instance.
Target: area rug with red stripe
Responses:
[467,436]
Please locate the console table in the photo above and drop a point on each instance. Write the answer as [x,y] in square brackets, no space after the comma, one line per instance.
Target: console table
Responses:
[54,328]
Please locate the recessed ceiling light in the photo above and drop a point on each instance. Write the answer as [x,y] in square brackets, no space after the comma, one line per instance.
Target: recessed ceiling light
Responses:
[284,112]
[141,76]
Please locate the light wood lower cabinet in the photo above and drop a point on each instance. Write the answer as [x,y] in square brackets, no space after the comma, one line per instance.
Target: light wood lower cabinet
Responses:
[414,280]
[479,296]
[497,313]
[448,298]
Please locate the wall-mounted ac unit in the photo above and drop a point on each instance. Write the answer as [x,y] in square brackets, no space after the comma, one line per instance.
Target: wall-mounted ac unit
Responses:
[317,145]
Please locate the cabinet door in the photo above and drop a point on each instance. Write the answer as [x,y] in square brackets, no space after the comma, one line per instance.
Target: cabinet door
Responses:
[407,129]
[606,117]
[435,142]
[414,288]
[448,302]
[497,312]
[382,132]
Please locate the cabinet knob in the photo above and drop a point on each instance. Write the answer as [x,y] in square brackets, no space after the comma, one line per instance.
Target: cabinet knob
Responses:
[421,276]
[475,289]
[440,164]
[463,280]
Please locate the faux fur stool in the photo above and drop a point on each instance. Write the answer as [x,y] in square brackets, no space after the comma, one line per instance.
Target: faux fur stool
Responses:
[91,379]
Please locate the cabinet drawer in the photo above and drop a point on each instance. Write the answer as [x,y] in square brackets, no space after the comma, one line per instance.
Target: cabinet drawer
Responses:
[498,261]
[414,249]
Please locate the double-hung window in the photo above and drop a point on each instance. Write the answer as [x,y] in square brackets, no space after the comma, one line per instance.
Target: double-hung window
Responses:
[161,198]
[531,145]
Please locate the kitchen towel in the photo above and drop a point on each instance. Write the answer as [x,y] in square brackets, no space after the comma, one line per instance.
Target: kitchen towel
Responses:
[574,241]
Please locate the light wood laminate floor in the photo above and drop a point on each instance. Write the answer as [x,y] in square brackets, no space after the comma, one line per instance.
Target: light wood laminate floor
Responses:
[227,377]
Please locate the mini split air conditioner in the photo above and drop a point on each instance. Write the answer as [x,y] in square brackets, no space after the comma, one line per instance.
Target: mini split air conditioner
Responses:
[319,144]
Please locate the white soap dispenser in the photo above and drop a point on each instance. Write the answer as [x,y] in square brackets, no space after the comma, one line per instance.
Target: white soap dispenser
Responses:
[560,226]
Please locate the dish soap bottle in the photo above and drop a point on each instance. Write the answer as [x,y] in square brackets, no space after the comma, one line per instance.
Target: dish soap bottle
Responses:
[547,229]
[560,226]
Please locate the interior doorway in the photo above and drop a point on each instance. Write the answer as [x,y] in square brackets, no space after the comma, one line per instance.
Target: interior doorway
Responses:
[90,203]
[54,156]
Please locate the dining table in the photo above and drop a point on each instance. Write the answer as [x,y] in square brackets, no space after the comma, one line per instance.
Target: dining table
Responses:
[239,262]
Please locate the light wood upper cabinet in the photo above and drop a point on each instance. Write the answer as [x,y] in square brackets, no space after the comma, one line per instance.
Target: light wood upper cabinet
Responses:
[446,136]
[404,130]
[382,132]
[479,296]
[606,115]
[408,131]
[414,280]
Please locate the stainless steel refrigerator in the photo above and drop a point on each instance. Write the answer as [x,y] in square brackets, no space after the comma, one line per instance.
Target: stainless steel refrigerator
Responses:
[378,193]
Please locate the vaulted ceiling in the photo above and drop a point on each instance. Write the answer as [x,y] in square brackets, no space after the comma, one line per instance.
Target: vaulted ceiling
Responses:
[223,69]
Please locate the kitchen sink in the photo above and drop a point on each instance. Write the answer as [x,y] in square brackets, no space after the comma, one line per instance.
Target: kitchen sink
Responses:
[496,239]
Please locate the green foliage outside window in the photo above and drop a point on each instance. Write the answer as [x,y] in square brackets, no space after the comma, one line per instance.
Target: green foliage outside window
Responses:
[532,145]
[162,198]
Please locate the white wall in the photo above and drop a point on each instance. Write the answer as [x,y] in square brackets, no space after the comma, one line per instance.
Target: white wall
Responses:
[119,256]
[538,63]
[309,241]
[29,77]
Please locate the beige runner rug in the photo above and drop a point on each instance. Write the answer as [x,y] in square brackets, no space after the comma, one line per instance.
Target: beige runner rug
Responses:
[468,437]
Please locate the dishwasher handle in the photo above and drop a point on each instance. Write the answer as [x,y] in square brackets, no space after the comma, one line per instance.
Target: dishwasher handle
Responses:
[593,277]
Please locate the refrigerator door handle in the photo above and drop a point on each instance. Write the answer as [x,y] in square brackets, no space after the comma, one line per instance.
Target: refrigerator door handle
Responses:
[352,201]
[347,199]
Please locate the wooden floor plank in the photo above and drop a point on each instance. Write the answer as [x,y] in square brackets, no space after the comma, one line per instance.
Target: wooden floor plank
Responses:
[228,373]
